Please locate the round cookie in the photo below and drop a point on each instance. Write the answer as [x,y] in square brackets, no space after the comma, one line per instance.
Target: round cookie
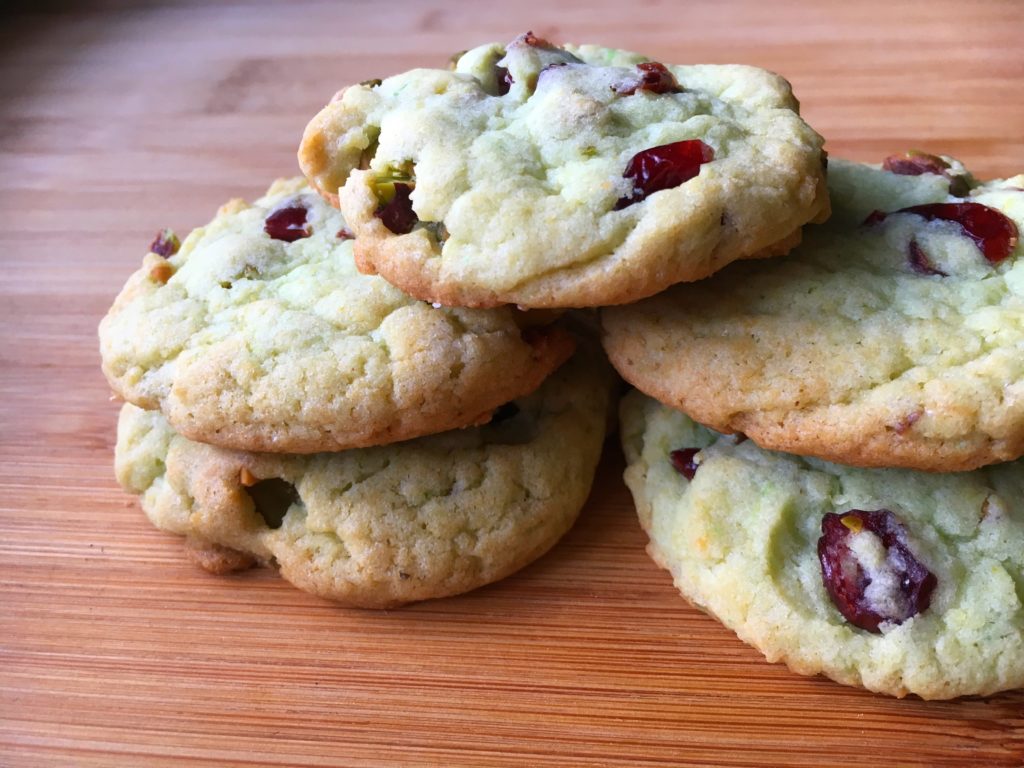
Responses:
[377,527]
[250,341]
[524,174]
[741,541]
[890,339]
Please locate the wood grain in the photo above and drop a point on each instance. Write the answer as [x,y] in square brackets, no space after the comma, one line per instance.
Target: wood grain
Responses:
[119,118]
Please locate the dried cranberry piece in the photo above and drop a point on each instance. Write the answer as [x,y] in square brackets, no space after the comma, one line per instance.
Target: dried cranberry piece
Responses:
[664,167]
[504,79]
[288,223]
[914,164]
[165,244]
[532,40]
[683,463]
[909,420]
[911,583]
[654,78]
[398,215]
[875,217]
[345,234]
[991,230]
[920,262]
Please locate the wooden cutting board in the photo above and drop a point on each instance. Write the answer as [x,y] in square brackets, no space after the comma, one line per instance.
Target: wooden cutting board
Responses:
[119,118]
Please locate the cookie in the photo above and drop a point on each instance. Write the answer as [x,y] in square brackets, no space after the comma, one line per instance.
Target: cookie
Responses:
[927,569]
[889,339]
[260,334]
[550,176]
[377,527]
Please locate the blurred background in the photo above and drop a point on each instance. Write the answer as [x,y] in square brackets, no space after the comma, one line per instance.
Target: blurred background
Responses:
[207,96]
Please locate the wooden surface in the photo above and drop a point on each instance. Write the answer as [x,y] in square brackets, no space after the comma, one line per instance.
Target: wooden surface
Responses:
[117,119]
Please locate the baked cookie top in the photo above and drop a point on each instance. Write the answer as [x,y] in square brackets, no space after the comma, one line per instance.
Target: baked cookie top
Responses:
[926,569]
[376,527]
[893,336]
[260,334]
[571,176]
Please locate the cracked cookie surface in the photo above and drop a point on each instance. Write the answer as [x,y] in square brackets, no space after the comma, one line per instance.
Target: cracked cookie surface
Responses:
[740,539]
[252,342]
[516,160]
[377,527]
[890,341]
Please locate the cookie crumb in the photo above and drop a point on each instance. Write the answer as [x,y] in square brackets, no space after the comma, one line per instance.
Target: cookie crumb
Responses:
[215,559]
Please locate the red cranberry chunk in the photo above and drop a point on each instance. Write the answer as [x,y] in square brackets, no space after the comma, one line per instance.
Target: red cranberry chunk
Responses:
[664,167]
[533,41]
[899,589]
[914,164]
[994,232]
[165,244]
[920,262]
[398,215]
[288,223]
[991,230]
[654,78]
[345,234]
[875,217]
[683,461]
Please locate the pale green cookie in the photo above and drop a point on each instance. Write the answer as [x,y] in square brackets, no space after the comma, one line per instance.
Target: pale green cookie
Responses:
[516,193]
[890,342]
[251,342]
[741,540]
[377,527]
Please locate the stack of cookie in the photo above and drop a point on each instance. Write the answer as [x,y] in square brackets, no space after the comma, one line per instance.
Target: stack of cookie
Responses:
[286,409]
[357,401]
[865,530]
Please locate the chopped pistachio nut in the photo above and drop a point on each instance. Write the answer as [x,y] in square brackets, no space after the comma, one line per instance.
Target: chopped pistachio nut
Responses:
[367,155]
[437,229]
[384,183]
[454,60]
[852,523]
